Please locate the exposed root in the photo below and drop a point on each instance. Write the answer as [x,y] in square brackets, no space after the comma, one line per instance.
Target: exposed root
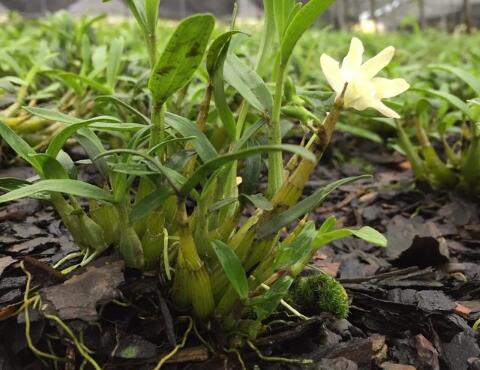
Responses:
[239,357]
[278,359]
[172,353]
[36,302]
[26,303]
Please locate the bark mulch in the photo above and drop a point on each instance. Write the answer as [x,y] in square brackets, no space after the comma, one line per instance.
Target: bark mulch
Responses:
[412,304]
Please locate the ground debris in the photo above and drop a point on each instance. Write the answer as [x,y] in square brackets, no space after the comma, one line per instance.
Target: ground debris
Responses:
[459,350]
[78,297]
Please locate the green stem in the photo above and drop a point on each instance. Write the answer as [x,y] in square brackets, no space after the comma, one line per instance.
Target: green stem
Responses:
[242,117]
[158,126]
[152,48]
[204,108]
[275,160]
[418,166]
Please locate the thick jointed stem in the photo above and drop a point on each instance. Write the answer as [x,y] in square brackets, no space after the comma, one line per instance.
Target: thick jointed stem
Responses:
[292,188]
[192,284]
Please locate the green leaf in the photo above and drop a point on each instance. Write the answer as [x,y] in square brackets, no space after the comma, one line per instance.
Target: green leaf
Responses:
[233,268]
[72,187]
[51,168]
[366,233]
[217,52]
[467,77]
[114,62]
[248,83]
[87,138]
[215,65]
[303,207]
[137,7]
[121,103]
[76,81]
[259,201]
[300,23]
[51,115]
[151,13]
[19,146]
[268,37]
[221,160]
[181,57]
[282,10]
[67,132]
[224,112]
[267,303]
[249,132]
[359,132]
[328,225]
[251,174]
[298,249]
[370,235]
[55,116]
[12,183]
[186,128]
[113,126]
[150,203]
[452,99]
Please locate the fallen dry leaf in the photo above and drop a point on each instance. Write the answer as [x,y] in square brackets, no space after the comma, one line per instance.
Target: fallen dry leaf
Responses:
[78,297]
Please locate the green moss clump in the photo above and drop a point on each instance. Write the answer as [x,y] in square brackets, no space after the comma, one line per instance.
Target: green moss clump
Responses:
[319,293]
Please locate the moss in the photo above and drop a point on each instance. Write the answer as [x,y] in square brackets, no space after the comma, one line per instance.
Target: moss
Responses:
[319,293]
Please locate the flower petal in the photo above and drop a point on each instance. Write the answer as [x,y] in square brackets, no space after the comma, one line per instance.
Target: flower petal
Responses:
[352,62]
[374,65]
[383,109]
[385,88]
[331,70]
[359,102]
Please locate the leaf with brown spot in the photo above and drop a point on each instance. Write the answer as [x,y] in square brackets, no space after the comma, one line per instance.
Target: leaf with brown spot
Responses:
[181,57]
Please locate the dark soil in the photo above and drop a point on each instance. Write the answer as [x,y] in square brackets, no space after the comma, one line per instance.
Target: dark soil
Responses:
[412,304]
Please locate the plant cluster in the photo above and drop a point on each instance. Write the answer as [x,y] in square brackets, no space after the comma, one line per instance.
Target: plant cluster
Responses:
[175,191]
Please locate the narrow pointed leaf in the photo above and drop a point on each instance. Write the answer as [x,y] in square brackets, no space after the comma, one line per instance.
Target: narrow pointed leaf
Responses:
[233,268]
[248,83]
[114,61]
[366,233]
[303,207]
[467,77]
[299,248]
[220,161]
[19,146]
[304,18]
[66,133]
[186,128]
[121,103]
[150,203]
[72,187]
[267,303]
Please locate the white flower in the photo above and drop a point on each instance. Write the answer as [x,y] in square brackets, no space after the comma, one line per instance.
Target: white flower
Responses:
[364,90]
